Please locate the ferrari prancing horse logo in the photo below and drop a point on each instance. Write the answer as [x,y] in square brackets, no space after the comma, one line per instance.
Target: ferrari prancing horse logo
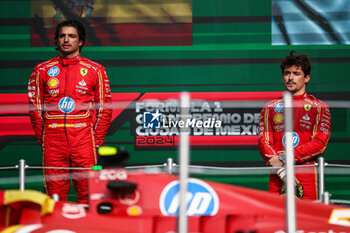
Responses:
[83,71]
[307,107]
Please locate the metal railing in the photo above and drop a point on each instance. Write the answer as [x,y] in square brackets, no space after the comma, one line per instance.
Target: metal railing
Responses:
[170,167]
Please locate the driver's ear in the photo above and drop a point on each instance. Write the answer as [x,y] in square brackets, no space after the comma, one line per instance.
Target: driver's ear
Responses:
[307,78]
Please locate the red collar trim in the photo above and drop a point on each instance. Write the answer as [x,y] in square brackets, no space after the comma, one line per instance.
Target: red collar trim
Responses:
[69,61]
[302,96]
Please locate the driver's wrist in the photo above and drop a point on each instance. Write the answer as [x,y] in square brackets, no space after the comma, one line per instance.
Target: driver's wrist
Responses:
[282,158]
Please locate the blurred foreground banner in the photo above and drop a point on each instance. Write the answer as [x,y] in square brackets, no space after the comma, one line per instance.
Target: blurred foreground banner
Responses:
[116,22]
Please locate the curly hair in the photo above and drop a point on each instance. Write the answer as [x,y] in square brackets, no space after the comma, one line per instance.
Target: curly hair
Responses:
[301,60]
[71,23]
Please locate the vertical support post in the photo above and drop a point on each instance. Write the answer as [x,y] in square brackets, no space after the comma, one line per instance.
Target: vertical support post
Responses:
[326,197]
[289,150]
[55,197]
[22,175]
[321,183]
[184,162]
[169,165]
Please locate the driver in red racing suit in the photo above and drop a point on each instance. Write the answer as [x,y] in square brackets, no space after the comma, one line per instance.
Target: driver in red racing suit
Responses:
[69,99]
[312,124]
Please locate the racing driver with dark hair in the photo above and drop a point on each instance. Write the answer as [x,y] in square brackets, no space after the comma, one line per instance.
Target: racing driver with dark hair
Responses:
[312,127]
[70,111]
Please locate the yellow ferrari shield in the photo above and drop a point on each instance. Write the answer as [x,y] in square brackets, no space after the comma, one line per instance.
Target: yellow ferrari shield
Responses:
[307,107]
[83,71]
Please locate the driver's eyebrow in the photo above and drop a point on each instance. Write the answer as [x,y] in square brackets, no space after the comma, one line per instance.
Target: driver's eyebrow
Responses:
[71,35]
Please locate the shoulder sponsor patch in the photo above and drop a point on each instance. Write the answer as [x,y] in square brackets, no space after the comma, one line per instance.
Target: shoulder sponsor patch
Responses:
[307,107]
[54,92]
[278,118]
[54,71]
[83,71]
[82,83]
[306,117]
[279,107]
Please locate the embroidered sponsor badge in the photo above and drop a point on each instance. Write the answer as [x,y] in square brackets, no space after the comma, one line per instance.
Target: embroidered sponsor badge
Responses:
[81,91]
[83,71]
[278,118]
[66,105]
[54,71]
[307,107]
[279,128]
[305,126]
[295,139]
[279,107]
[53,82]
[82,83]
[306,117]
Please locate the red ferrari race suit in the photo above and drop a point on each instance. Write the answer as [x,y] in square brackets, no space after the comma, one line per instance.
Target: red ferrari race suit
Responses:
[70,111]
[312,126]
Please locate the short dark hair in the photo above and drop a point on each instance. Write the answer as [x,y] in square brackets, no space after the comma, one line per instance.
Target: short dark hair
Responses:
[301,60]
[72,23]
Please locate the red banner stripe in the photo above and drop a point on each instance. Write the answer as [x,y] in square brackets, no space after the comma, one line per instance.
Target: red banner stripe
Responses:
[215,96]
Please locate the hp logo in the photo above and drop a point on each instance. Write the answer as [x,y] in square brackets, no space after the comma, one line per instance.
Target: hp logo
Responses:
[295,139]
[54,71]
[201,199]
[66,105]
[279,107]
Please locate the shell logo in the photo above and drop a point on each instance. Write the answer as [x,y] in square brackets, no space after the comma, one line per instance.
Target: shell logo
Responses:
[278,118]
[53,82]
